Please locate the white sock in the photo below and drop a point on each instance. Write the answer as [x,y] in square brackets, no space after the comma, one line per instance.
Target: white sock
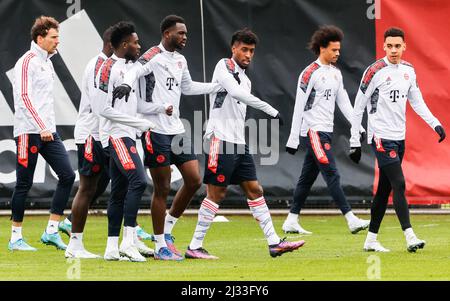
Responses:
[160,242]
[206,214]
[52,227]
[16,233]
[292,217]
[409,233]
[67,221]
[371,236]
[112,244]
[169,223]
[128,235]
[261,213]
[350,217]
[76,241]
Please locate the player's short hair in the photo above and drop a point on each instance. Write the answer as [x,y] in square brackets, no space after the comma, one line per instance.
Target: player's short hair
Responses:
[42,25]
[245,36]
[107,34]
[394,32]
[323,36]
[170,21]
[120,32]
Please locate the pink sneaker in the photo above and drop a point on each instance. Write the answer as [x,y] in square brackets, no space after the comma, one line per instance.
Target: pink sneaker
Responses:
[170,244]
[199,253]
[284,246]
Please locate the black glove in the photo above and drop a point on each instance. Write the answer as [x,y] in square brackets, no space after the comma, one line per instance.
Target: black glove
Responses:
[291,150]
[362,136]
[440,130]
[355,154]
[280,118]
[121,91]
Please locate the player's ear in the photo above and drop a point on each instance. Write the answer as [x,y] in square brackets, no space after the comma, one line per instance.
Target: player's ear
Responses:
[404,46]
[384,46]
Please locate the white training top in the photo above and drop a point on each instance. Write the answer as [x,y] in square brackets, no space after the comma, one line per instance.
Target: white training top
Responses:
[33,92]
[87,122]
[228,108]
[170,78]
[384,89]
[120,115]
[319,88]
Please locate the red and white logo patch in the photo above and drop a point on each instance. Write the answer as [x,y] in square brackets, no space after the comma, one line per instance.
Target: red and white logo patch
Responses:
[406,76]
[393,154]
[133,150]
[34,149]
[180,65]
[96,168]
[220,178]
[327,146]
[160,159]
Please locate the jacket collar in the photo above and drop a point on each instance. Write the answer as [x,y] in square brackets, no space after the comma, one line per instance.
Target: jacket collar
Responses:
[41,52]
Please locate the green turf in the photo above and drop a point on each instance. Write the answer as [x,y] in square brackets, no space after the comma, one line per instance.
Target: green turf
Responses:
[331,253]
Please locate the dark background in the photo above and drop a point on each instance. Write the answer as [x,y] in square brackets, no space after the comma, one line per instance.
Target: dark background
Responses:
[284,28]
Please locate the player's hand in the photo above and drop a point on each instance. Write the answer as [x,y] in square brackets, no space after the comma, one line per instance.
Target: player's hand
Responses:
[169,110]
[280,118]
[441,132]
[362,136]
[46,136]
[121,91]
[355,154]
[291,150]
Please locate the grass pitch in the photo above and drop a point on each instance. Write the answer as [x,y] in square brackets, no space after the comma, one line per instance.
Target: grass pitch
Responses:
[331,253]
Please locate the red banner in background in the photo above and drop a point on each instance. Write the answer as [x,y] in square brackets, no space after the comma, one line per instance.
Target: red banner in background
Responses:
[426,24]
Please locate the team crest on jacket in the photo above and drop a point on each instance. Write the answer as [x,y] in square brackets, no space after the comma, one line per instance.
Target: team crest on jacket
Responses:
[133,149]
[406,76]
[105,74]
[180,65]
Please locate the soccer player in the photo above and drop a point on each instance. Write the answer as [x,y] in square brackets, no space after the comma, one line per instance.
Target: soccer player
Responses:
[164,73]
[384,89]
[118,132]
[319,88]
[228,160]
[35,132]
[93,160]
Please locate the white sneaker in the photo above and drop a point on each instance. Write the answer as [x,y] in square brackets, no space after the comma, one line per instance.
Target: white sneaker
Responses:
[111,255]
[83,254]
[413,243]
[132,252]
[143,249]
[358,225]
[374,246]
[293,227]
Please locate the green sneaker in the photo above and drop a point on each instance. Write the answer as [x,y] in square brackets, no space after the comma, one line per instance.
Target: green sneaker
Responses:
[54,240]
[142,235]
[20,245]
[65,228]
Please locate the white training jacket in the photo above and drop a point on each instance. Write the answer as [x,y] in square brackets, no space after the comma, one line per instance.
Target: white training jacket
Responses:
[228,108]
[33,92]
[120,116]
[319,88]
[88,122]
[384,89]
[171,78]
